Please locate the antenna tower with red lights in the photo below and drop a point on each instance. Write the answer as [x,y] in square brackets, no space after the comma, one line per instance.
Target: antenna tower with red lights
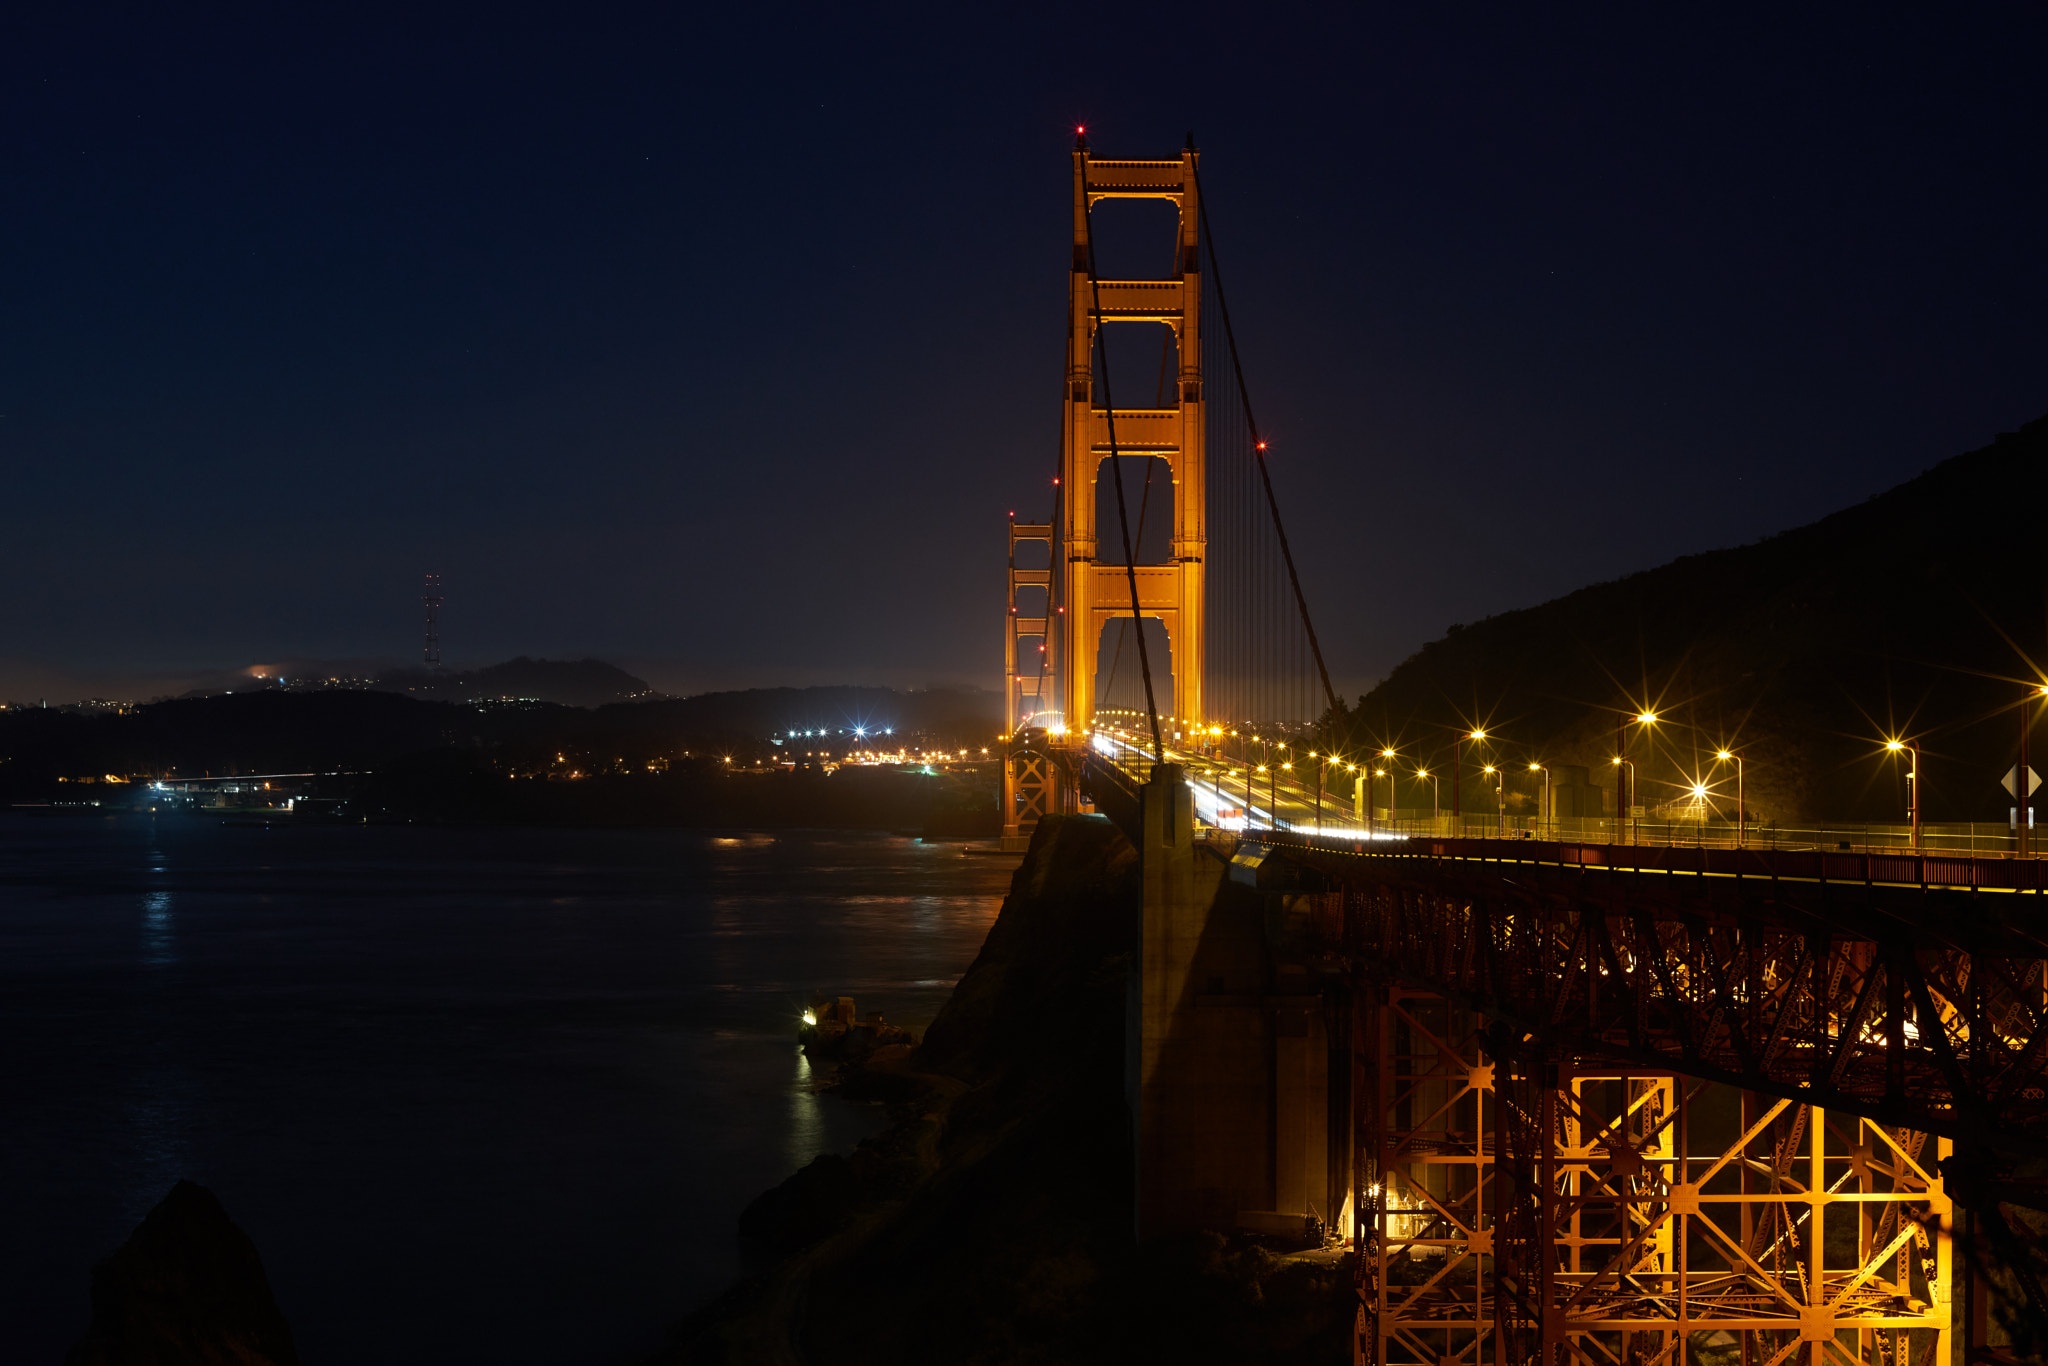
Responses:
[432,599]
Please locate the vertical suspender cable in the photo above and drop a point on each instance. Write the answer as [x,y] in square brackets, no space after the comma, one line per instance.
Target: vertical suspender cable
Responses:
[1258,446]
[1101,347]
[1145,498]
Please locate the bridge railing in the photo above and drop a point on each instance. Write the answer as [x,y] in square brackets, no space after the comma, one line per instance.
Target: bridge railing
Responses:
[1983,839]
[1873,867]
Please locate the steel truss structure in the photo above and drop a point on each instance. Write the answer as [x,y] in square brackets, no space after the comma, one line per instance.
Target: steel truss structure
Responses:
[1607,1215]
[1613,1118]
[1922,1010]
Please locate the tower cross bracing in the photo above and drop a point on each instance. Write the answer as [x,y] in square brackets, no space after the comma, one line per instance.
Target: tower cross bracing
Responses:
[1094,593]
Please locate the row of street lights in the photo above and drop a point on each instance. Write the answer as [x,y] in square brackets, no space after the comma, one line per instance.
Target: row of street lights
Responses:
[1625,776]
[1624,796]
[2021,773]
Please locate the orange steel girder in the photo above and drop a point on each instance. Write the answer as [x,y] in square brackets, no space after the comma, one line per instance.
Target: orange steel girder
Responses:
[1033,787]
[1602,1214]
[1915,1010]
[1028,675]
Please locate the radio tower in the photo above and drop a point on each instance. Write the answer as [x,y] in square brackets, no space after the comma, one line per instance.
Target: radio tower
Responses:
[433,602]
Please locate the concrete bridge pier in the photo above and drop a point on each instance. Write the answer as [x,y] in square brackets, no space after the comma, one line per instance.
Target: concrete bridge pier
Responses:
[1233,1073]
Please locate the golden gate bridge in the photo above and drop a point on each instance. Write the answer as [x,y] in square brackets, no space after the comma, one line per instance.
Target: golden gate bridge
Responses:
[1561,1093]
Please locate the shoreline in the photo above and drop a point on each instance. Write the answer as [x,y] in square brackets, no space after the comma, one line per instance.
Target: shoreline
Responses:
[992,1220]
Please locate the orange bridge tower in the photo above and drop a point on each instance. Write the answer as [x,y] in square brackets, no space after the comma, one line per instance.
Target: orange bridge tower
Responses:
[1093,592]
[1086,584]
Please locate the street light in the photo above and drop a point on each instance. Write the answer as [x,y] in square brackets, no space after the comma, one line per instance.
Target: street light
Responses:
[1912,753]
[1387,773]
[1500,800]
[1436,795]
[1621,759]
[1321,760]
[2023,814]
[1545,817]
[1457,775]
[1619,764]
[1725,756]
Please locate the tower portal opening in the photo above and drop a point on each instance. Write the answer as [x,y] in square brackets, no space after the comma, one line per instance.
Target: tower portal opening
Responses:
[1144,365]
[1136,239]
[1151,511]
[1120,682]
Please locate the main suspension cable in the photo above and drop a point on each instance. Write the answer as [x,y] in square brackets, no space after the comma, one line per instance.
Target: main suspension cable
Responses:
[1145,497]
[1100,345]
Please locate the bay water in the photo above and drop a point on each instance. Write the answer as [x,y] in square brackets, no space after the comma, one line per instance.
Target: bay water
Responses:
[491,1095]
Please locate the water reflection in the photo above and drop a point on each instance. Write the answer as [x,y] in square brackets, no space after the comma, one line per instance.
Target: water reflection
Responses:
[156,1129]
[415,1026]
[158,947]
[806,1137]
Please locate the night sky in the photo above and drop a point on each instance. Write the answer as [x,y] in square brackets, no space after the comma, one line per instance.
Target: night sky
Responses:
[717,341]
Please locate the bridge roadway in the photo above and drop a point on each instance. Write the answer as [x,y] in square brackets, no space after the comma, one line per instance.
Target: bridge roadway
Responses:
[1817,976]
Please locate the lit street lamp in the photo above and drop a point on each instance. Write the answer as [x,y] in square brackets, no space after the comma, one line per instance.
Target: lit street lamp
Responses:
[1321,760]
[1621,760]
[1457,775]
[1500,800]
[1725,756]
[1436,795]
[1620,764]
[1912,753]
[1545,818]
[2023,817]
[1388,774]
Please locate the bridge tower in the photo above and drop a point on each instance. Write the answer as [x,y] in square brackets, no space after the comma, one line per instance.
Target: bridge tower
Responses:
[1091,592]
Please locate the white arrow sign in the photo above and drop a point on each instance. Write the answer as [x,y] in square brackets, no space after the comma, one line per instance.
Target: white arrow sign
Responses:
[2011,774]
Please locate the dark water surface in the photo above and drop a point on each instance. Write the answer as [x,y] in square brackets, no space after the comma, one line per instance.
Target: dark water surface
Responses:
[478,1095]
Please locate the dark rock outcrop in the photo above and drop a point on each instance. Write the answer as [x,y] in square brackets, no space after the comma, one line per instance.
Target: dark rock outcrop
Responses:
[186,1289]
[993,1222]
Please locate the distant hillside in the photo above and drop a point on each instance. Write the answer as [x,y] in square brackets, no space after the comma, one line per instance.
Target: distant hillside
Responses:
[1915,612]
[277,731]
[965,712]
[570,682]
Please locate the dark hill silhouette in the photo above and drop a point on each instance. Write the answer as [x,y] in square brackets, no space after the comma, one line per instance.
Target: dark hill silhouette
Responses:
[962,712]
[274,731]
[570,682]
[1916,612]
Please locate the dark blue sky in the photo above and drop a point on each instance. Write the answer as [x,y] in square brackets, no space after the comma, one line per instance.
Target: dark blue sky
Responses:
[719,341]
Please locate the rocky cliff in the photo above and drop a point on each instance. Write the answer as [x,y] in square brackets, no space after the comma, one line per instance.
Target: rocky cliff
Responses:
[993,1221]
